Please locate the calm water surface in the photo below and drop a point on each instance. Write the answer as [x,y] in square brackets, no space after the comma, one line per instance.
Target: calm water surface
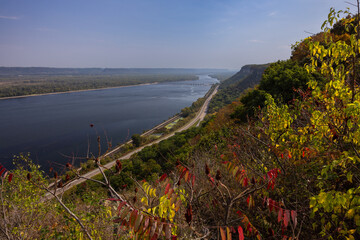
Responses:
[51,127]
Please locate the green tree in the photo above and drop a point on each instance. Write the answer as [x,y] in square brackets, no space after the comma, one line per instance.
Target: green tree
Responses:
[322,133]
[136,139]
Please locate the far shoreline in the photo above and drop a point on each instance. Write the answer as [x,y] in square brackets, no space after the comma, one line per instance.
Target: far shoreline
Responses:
[74,91]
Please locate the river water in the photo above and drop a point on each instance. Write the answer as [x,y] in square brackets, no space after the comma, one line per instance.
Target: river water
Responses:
[53,127]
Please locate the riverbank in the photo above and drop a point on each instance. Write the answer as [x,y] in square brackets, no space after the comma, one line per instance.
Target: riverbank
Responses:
[58,127]
[74,91]
[92,173]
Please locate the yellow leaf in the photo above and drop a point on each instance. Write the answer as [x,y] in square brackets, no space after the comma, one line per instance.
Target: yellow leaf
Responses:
[350,213]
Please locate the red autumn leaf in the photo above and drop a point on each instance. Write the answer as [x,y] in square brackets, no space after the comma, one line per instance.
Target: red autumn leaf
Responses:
[211,179]
[241,233]
[249,228]
[114,199]
[118,166]
[10,177]
[188,214]
[270,204]
[184,171]
[193,180]
[280,214]
[120,206]
[155,236]
[2,171]
[286,217]
[248,200]
[173,237]
[163,177]
[124,223]
[222,232]
[167,188]
[245,182]
[133,217]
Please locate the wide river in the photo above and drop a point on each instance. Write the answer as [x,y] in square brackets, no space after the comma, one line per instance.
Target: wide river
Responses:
[51,127]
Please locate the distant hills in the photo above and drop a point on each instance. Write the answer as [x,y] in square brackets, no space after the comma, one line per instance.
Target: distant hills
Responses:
[12,71]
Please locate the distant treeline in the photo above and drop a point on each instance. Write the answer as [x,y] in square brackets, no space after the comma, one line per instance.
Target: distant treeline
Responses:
[7,71]
[36,84]
[19,81]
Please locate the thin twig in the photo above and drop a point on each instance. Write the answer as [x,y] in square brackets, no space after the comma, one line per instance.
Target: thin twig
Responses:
[69,211]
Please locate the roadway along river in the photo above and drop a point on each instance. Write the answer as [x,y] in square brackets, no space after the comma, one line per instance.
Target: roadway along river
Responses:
[51,126]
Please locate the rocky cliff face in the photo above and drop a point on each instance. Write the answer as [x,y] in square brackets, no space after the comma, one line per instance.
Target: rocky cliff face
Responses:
[230,89]
[253,72]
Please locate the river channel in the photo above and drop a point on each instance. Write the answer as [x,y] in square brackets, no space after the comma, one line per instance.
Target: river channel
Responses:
[53,127]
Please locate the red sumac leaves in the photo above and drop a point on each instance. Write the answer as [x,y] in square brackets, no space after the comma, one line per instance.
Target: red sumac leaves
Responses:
[163,177]
[188,214]
[241,233]
[10,177]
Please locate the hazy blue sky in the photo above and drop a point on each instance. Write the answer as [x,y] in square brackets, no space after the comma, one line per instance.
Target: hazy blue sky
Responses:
[155,33]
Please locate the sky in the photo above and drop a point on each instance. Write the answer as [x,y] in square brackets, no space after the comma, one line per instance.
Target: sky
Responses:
[156,33]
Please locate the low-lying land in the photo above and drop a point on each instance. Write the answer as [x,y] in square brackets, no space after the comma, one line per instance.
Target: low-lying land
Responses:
[29,81]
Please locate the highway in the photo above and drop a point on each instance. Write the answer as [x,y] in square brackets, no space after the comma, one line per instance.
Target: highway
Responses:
[199,117]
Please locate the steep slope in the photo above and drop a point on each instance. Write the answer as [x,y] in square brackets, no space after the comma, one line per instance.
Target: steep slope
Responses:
[231,88]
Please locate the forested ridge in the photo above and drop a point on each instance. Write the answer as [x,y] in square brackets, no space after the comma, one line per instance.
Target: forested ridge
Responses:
[280,162]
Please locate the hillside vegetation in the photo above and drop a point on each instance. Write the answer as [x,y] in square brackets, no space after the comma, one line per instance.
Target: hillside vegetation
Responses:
[281,162]
[231,88]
